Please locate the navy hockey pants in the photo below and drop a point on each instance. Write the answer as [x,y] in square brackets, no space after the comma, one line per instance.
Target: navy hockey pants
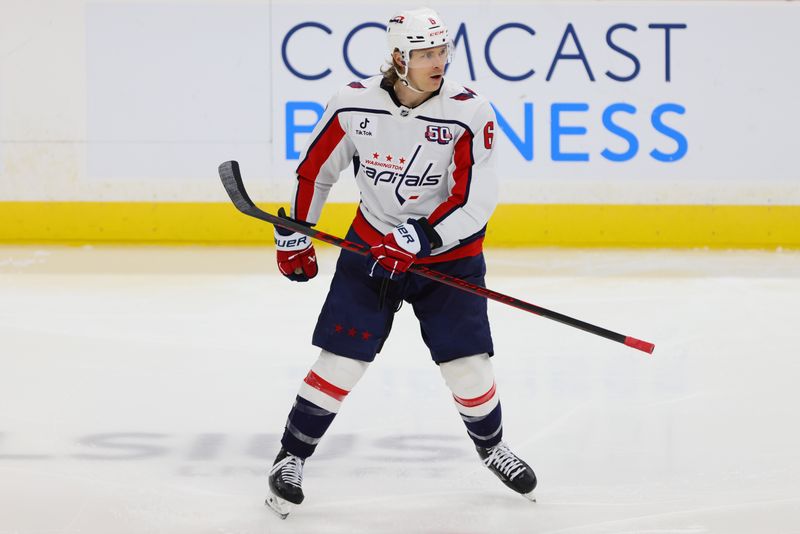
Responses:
[354,324]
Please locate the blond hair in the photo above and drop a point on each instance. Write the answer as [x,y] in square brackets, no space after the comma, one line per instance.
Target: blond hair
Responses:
[389,70]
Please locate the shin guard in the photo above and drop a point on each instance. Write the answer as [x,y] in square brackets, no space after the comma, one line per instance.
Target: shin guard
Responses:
[471,380]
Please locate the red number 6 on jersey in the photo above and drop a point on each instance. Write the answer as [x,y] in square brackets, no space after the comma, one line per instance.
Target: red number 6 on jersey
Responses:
[488,135]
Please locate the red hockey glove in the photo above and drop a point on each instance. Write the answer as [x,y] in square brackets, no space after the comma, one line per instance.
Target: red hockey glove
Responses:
[297,259]
[401,247]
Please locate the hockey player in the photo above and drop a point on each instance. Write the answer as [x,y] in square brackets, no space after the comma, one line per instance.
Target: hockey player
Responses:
[422,150]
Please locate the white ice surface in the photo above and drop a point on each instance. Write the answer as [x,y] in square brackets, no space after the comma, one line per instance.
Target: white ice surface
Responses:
[145,389]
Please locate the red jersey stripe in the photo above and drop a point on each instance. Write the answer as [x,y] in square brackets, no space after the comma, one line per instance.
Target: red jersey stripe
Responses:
[368,233]
[477,401]
[317,382]
[305,194]
[473,248]
[307,172]
[462,175]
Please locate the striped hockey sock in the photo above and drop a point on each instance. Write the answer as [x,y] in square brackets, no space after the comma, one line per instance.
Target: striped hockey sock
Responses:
[471,380]
[483,418]
[318,401]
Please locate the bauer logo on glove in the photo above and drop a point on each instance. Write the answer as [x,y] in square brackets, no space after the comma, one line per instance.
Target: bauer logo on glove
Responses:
[400,248]
[297,259]
[291,243]
[403,234]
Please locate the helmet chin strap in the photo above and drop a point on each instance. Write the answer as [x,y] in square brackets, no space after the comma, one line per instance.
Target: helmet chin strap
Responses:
[404,79]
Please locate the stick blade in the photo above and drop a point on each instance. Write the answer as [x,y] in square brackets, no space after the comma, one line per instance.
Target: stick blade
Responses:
[232,181]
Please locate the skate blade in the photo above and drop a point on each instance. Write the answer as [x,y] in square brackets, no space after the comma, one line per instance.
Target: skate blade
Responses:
[530,496]
[281,507]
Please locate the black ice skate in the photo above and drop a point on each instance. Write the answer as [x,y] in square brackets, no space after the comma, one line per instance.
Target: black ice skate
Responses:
[285,483]
[509,468]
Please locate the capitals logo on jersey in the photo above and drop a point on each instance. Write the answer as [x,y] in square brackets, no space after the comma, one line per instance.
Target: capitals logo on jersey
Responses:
[400,176]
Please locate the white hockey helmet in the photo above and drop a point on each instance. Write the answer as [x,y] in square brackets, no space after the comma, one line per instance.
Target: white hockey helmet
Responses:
[417,29]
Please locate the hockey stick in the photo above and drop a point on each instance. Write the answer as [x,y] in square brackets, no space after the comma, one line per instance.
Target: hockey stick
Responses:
[232,180]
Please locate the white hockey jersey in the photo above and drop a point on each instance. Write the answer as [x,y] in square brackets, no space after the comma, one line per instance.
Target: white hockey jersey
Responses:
[433,161]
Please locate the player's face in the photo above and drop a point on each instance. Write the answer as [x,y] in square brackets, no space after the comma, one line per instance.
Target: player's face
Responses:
[426,67]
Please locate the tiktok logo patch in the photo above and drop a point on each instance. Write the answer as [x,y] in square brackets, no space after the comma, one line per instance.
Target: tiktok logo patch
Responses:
[365,127]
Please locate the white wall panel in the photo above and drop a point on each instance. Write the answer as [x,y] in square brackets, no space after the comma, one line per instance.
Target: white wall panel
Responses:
[140,100]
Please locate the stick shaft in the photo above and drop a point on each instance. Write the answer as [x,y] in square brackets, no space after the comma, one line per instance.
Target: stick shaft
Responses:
[232,180]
